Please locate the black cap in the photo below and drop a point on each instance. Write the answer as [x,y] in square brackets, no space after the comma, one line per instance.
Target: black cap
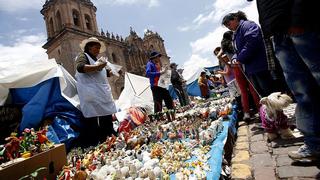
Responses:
[154,54]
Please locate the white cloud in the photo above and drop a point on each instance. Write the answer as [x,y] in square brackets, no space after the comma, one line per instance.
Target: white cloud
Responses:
[26,48]
[202,55]
[149,3]
[197,22]
[20,5]
[193,65]
[215,13]
[201,19]
[22,18]
[183,28]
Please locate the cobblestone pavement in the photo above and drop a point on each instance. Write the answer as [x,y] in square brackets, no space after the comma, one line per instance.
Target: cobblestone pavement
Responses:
[256,158]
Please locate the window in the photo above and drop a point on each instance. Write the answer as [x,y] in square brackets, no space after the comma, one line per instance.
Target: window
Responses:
[59,24]
[51,28]
[76,17]
[88,21]
[114,58]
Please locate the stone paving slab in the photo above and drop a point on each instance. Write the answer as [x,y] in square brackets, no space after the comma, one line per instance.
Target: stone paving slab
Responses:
[242,131]
[262,160]
[284,150]
[269,160]
[257,137]
[242,146]
[258,147]
[241,156]
[265,173]
[298,171]
[241,171]
[283,160]
[242,139]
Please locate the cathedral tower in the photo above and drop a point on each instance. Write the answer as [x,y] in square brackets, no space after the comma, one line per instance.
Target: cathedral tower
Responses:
[153,42]
[68,22]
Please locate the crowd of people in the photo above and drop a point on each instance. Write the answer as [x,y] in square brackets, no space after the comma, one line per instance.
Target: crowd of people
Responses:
[281,56]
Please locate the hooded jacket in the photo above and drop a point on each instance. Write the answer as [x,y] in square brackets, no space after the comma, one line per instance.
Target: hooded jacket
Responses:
[249,46]
[153,73]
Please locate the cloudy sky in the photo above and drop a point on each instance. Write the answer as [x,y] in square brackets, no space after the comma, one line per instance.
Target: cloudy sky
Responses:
[190,29]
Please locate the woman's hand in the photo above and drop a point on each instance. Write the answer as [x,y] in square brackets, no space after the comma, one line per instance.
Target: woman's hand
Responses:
[100,65]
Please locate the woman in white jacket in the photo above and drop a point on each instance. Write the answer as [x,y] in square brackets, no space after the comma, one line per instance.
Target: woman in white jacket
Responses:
[96,101]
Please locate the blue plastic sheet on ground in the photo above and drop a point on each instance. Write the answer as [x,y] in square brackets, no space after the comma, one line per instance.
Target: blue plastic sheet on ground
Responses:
[217,147]
[193,89]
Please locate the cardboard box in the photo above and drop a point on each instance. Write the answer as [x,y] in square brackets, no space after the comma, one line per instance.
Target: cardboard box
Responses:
[53,160]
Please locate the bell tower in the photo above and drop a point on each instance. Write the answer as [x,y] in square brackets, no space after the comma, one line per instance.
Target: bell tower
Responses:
[68,22]
[153,42]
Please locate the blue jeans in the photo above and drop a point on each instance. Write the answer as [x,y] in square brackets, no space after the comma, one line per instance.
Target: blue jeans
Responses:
[299,56]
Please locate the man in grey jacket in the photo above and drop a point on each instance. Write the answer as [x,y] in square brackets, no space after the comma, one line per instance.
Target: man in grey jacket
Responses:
[177,83]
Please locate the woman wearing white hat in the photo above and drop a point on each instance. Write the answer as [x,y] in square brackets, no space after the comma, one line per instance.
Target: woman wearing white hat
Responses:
[96,101]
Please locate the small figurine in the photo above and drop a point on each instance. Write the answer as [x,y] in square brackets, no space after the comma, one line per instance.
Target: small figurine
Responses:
[66,173]
[12,147]
[80,175]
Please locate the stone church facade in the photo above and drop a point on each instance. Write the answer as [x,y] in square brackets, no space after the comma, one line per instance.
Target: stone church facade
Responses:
[68,22]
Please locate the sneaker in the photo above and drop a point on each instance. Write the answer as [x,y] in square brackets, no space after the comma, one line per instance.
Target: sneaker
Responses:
[246,116]
[304,153]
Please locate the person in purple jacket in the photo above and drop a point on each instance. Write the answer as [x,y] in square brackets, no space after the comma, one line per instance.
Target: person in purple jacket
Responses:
[153,72]
[250,51]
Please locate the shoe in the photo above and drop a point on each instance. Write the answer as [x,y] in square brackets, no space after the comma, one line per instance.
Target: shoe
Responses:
[246,117]
[272,136]
[286,134]
[304,153]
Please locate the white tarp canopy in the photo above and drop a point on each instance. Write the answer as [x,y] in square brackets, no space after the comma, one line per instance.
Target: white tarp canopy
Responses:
[21,73]
[193,75]
[136,92]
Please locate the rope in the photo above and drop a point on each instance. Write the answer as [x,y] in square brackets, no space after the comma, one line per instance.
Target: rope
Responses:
[131,84]
[250,83]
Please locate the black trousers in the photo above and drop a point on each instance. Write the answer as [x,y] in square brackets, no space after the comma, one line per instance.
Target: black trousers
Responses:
[96,129]
[180,93]
[160,94]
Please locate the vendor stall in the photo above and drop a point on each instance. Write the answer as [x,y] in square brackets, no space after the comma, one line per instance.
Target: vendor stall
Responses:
[184,144]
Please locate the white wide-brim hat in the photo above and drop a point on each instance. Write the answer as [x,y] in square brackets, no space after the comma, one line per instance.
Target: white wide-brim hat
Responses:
[93,39]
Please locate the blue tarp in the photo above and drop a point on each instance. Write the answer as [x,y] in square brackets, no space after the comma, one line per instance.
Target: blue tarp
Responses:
[193,88]
[45,101]
[213,68]
[217,147]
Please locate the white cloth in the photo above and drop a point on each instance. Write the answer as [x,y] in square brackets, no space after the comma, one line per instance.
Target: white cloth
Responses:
[136,92]
[95,93]
[165,79]
[21,73]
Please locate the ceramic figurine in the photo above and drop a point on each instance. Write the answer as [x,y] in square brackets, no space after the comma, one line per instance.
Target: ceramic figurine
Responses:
[12,147]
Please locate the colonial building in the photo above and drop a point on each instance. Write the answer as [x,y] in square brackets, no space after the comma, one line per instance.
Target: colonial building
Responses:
[68,22]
